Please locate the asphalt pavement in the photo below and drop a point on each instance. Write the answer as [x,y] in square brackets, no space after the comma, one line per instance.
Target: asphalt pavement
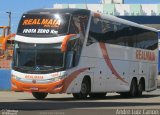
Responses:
[18,103]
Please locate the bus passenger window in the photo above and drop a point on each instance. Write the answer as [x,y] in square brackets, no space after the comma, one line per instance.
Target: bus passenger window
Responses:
[94,31]
[79,24]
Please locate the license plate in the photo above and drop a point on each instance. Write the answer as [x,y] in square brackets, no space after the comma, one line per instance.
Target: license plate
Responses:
[34,88]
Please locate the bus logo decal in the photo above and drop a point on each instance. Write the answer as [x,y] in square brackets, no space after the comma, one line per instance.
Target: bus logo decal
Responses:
[37,68]
[145,55]
[108,61]
[34,81]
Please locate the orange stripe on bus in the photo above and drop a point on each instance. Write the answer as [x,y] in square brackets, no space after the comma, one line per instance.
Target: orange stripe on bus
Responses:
[71,77]
[49,87]
[109,63]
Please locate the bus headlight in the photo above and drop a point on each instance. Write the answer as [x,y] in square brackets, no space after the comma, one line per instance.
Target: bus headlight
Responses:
[15,77]
[57,78]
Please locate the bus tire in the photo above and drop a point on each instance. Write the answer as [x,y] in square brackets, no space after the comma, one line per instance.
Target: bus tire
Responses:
[39,95]
[133,88]
[140,88]
[85,89]
[97,95]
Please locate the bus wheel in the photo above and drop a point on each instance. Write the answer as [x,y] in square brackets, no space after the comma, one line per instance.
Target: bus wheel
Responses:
[97,95]
[85,89]
[140,88]
[39,95]
[133,89]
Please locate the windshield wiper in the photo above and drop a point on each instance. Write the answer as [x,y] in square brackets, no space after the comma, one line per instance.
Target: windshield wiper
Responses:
[58,68]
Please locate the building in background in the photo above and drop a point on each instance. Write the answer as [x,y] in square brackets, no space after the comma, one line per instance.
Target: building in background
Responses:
[112,1]
[118,9]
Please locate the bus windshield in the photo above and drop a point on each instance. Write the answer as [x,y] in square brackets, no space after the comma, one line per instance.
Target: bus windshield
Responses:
[40,25]
[38,57]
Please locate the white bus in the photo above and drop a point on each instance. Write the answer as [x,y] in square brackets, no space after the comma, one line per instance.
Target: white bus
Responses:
[84,53]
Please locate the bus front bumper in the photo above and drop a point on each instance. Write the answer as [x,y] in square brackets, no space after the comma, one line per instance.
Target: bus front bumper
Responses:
[54,87]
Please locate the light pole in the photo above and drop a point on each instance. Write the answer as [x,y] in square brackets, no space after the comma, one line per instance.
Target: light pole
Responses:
[86,4]
[9,21]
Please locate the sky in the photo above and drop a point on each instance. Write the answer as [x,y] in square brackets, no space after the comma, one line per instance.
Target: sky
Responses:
[17,7]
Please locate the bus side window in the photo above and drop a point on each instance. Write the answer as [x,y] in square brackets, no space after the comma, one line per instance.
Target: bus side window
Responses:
[146,40]
[131,36]
[73,28]
[79,24]
[95,27]
[69,59]
[101,31]
[153,41]
[72,53]
[118,35]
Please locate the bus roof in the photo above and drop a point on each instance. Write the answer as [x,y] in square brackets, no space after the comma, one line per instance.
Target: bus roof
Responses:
[74,10]
[51,10]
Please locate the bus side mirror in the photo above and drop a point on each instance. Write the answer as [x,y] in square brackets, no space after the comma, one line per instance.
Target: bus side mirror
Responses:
[65,42]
